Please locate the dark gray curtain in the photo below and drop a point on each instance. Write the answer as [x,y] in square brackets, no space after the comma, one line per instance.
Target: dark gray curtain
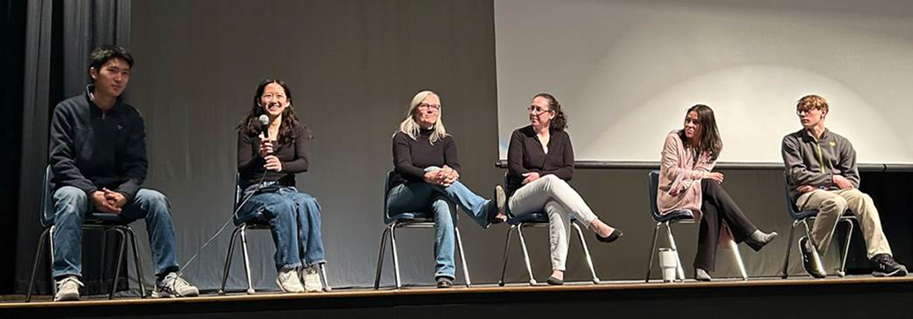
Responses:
[60,36]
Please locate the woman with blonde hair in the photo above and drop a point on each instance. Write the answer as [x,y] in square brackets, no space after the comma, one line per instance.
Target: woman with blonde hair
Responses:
[426,178]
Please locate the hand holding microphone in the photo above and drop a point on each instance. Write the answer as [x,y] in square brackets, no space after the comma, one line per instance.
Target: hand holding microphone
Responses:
[266,147]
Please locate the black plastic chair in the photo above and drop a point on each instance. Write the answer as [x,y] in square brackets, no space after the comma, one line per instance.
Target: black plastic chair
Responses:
[94,221]
[241,229]
[420,219]
[803,217]
[536,220]
[676,217]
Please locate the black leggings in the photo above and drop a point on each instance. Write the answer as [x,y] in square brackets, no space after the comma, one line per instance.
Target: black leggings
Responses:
[718,207]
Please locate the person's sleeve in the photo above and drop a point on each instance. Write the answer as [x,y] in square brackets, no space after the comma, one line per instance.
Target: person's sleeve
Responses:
[796,169]
[402,159]
[450,155]
[62,154]
[136,163]
[248,159]
[300,163]
[515,153]
[670,161]
[847,164]
[566,171]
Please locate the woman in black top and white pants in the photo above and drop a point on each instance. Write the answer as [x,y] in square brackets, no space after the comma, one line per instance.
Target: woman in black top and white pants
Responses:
[267,169]
[541,161]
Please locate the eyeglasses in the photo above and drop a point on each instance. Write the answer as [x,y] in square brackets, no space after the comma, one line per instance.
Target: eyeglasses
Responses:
[270,96]
[805,111]
[434,107]
[535,110]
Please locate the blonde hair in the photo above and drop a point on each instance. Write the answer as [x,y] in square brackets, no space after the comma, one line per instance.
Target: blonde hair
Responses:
[411,128]
[812,101]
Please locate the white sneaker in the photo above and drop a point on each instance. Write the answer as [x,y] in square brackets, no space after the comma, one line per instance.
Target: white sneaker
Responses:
[173,286]
[288,281]
[68,289]
[311,279]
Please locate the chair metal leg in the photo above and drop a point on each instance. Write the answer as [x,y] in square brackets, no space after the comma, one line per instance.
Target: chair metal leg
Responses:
[380,258]
[120,259]
[680,271]
[136,262]
[250,285]
[652,252]
[506,251]
[789,245]
[227,267]
[395,256]
[459,241]
[51,261]
[846,249]
[529,268]
[586,252]
[738,259]
[41,239]
[323,276]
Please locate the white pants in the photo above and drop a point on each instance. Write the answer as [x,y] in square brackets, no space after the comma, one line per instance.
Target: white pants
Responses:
[559,200]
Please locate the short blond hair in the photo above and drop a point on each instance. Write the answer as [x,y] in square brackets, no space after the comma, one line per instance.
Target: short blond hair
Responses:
[812,101]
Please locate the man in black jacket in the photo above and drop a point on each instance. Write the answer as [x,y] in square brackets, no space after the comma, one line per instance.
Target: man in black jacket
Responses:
[98,160]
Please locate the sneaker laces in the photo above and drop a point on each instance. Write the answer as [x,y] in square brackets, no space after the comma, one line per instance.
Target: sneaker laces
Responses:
[69,279]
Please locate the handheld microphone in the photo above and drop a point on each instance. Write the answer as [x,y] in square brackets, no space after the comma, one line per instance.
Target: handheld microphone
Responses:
[264,126]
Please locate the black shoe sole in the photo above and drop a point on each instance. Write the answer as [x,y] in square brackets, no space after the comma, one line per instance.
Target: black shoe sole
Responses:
[758,245]
[554,281]
[615,235]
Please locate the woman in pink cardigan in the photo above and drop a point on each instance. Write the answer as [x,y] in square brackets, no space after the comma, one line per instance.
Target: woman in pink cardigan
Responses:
[686,182]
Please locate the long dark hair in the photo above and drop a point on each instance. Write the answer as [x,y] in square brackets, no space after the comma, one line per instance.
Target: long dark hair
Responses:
[558,123]
[710,140]
[251,123]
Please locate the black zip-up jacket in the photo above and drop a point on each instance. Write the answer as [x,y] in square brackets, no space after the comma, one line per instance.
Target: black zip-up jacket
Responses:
[91,149]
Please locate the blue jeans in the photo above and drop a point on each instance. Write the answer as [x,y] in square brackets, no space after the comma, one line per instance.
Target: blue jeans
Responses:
[436,199]
[295,221]
[71,205]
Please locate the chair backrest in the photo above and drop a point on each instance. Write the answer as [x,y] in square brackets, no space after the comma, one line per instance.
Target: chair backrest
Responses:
[507,200]
[47,209]
[652,186]
[387,182]
[791,207]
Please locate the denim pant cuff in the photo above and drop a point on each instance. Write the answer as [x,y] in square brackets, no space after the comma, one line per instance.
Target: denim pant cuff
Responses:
[315,263]
[290,266]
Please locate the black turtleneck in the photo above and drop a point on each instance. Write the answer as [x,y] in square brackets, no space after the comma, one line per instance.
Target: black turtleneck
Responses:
[412,156]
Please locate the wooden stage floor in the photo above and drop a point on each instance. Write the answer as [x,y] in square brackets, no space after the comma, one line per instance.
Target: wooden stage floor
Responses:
[852,296]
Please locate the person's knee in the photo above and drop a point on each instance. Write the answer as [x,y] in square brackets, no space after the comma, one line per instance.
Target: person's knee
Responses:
[834,204]
[150,197]
[72,197]
[282,208]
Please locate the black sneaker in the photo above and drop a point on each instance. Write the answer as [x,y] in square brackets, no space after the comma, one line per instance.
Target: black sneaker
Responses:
[810,260]
[886,266]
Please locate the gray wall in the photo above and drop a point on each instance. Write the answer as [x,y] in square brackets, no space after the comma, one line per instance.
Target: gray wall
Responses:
[352,67]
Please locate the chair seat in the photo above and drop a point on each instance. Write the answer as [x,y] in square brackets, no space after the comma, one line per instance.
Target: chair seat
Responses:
[537,217]
[674,216]
[410,216]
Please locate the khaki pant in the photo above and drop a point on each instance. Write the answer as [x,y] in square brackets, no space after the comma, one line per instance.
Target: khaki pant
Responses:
[831,204]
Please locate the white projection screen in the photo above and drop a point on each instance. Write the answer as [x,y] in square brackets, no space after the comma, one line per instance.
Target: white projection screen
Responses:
[626,71]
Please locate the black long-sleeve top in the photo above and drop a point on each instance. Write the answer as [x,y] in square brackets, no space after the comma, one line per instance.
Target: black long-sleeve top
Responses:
[292,155]
[525,155]
[91,149]
[411,157]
